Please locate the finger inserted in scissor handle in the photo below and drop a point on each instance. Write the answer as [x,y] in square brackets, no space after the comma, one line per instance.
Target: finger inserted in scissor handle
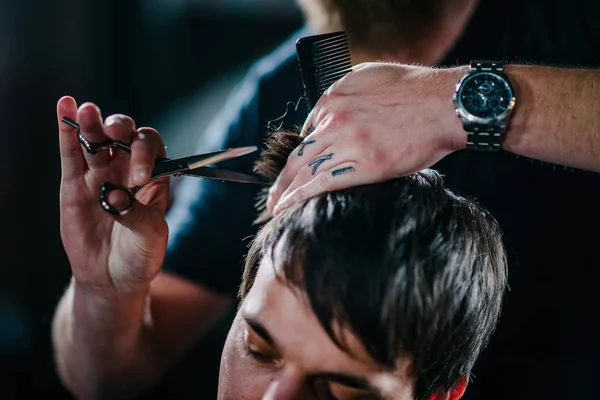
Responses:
[93,148]
[106,188]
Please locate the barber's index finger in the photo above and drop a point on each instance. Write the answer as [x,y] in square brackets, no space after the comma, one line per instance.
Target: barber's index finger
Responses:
[71,153]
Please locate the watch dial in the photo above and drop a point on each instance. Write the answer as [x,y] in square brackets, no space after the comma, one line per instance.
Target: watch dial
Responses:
[485,95]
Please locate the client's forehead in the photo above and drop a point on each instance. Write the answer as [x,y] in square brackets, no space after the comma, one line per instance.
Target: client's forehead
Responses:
[284,312]
[300,339]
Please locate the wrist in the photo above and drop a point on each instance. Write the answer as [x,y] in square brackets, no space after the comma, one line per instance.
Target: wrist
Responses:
[102,309]
[520,120]
[100,297]
[454,132]
[115,282]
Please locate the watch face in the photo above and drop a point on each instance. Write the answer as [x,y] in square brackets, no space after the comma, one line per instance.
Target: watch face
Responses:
[485,95]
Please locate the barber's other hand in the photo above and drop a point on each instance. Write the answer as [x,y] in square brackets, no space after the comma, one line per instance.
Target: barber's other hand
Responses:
[379,122]
[107,252]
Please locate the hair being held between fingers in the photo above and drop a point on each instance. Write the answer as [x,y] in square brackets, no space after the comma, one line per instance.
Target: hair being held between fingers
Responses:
[430,266]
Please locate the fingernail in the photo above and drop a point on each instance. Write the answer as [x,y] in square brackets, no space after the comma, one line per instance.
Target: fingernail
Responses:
[141,174]
[279,208]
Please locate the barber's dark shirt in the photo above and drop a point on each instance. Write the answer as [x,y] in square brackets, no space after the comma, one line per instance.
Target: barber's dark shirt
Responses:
[546,345]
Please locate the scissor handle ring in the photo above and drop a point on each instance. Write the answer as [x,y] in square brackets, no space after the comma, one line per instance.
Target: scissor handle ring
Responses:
[93,148]
[105,189]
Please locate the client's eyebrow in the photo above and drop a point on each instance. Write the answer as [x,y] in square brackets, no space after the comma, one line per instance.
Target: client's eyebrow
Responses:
[259,329]
[351,381]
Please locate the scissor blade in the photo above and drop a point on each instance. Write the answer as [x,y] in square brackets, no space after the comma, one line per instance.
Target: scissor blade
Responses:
[223,175]
[202,160]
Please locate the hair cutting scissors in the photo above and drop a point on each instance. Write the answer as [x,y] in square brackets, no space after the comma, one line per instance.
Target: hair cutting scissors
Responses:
[196,165]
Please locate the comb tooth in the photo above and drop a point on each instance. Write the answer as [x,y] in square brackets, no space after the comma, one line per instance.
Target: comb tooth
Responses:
[327,58]
[329,37]
[325,84]
[323,60]
[329,46]
[332,61]
[325,44]
[333,57]
[333,39]
[319,51]
[323,75]
[333,76]
[339,61]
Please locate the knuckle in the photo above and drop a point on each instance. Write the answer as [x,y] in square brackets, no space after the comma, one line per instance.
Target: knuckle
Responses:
[118,119]
[362,137]
[330,110]
[88,107]
[370,152]
[323,183]
[339,118]
[299,196]
[293,161]
[379,157]
[307,173]
[325,100]
[304,175]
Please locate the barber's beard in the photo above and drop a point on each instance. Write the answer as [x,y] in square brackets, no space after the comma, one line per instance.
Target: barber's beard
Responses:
[378,25]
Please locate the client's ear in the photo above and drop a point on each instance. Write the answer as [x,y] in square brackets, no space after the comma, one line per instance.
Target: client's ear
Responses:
[455,394]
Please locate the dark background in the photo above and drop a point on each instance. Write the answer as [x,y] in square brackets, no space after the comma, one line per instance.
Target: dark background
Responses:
[168,64]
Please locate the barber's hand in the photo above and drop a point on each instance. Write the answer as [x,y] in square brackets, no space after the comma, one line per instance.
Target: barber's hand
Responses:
[379,122]
[107,252]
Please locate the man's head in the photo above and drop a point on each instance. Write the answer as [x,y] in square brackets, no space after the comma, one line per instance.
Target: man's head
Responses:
[388,290]
[384,23]
[388,27]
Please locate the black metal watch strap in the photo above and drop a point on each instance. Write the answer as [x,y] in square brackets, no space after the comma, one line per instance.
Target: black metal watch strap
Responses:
[481,137]
[493,66]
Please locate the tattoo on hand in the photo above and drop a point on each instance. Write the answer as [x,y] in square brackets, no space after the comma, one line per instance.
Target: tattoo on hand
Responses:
[316,163]
[343,171]
[310,130]
[303,145]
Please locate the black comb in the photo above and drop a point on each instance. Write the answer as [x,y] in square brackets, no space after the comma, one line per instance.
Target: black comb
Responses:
[324,59]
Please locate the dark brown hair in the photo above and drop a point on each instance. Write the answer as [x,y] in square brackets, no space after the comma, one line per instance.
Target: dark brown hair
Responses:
[411,269]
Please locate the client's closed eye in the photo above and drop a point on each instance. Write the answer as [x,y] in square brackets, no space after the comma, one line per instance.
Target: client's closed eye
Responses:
[258,347]
[259,355]
[335,391]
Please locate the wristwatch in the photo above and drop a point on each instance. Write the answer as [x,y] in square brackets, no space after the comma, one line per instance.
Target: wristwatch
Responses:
[484,100]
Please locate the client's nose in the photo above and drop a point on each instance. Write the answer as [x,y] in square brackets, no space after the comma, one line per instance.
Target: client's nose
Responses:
[289,385]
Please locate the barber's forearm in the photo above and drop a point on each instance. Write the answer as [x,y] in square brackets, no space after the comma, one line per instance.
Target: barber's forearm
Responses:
[557,116]
[103,348]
